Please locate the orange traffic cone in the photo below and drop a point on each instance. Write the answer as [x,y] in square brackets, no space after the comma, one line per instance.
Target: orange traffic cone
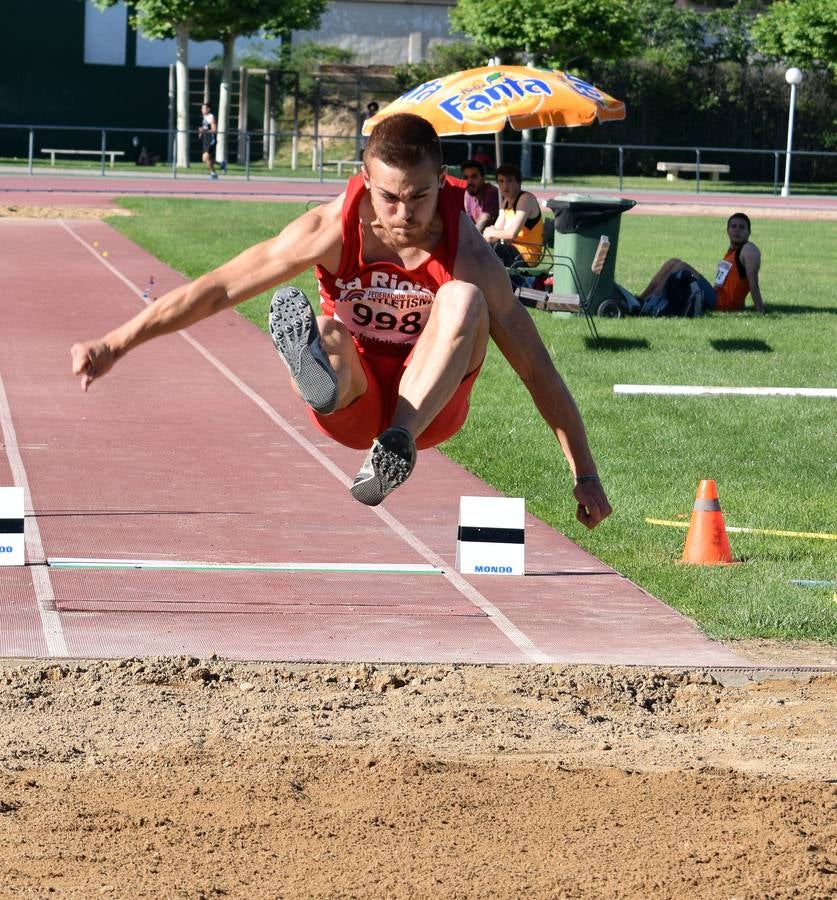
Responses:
[706,541]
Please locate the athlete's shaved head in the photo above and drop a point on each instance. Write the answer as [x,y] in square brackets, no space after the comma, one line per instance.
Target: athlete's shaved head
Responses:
[404,140]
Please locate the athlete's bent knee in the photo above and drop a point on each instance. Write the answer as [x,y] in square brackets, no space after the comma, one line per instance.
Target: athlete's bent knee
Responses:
[463,301]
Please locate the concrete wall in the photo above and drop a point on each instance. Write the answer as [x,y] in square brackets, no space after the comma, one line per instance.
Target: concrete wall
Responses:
[384,32]
[379,32]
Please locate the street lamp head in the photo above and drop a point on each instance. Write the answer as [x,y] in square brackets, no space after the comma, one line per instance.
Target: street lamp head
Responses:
[793,76]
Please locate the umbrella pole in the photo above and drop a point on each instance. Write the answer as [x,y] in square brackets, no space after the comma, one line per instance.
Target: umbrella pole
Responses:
[498,149]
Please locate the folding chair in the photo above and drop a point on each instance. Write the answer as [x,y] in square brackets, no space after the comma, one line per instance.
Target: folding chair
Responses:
[578,302]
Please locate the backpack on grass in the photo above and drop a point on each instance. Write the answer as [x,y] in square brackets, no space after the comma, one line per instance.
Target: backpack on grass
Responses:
[682,296]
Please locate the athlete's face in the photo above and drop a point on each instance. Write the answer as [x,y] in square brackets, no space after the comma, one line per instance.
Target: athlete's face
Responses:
[404,200]
[738,231]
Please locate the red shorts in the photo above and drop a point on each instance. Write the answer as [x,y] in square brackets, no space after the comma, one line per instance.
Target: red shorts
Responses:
[358,424]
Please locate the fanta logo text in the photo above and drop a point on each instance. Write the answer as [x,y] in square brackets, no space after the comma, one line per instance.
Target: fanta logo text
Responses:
[494,94]
[423,91]
[584,88]
[500,570]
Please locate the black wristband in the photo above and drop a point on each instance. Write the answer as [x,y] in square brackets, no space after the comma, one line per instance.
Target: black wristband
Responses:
[580,479]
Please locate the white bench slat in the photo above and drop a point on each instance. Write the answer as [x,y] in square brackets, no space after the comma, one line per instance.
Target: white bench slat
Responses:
[53,150]
[672,169]
[354,163]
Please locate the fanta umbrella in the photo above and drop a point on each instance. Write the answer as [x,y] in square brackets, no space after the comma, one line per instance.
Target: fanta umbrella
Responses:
[481,101]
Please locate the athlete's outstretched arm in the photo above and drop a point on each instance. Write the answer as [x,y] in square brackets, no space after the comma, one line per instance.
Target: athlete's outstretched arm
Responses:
[312,238]
[514,332]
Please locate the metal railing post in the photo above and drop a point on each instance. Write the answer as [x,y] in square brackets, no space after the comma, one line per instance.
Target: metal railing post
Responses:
[246,155]
[621,167]
[697,170]
[104,145]
[173,150]
[775,172]
[31,148]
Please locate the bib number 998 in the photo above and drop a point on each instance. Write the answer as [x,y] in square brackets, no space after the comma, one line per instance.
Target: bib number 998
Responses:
[364,316]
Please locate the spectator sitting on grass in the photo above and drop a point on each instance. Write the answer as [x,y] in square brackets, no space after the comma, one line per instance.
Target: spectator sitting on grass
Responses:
[736,276]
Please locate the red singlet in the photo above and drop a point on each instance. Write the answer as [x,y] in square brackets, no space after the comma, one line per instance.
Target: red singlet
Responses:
[385,308]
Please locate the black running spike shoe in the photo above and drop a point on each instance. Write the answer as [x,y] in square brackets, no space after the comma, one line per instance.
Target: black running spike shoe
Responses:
[388,464]
[293,328]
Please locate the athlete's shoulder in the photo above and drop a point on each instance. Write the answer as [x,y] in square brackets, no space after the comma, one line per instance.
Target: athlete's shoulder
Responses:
[750,251]
[475,257]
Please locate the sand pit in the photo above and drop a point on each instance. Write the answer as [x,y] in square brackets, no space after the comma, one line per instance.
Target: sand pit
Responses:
[188,778]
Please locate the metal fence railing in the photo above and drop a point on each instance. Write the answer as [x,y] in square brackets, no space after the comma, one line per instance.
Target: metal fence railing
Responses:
[112,151]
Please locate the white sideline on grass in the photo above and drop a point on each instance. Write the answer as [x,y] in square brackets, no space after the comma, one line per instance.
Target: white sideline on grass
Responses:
[704,390]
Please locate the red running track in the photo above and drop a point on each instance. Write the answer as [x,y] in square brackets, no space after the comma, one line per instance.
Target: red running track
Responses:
[194,448]
[49,189]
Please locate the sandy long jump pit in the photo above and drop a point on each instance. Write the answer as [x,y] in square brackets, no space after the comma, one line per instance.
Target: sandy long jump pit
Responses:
[190,778]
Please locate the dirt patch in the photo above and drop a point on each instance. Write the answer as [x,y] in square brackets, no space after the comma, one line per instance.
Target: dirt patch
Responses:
[61,212]
[786,653]
[688,208]
[190,778]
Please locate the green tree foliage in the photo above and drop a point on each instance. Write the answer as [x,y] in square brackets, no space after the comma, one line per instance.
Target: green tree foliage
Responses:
[679,37]
[444,59]
[560,33]
[800,33]
[578,34]
[223,19]
[304,58]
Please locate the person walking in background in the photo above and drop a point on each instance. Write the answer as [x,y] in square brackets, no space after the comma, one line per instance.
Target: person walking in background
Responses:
[482,200]
[482,157]
[207,132]
[736,275]
[410,294]
[517,235]
[371,110]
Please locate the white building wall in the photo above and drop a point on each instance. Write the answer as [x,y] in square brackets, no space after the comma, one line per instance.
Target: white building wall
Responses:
[378,32]
[384,32]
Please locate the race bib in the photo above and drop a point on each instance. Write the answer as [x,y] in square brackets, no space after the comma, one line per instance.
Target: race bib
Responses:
[724,268]
[389,315]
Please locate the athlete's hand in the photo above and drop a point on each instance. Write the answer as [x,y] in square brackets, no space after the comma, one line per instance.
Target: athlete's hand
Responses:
[91,360]
[593,505]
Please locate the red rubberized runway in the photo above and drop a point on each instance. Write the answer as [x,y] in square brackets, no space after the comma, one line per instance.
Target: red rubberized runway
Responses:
[195,449]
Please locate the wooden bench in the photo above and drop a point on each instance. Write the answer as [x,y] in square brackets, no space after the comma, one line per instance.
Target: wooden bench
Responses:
[53,150]
[354,164]
[673,169]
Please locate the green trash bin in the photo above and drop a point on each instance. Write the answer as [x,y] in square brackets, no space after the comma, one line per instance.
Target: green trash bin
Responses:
[580,221]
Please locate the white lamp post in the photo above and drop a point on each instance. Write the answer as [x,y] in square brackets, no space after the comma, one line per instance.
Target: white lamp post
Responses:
[793,77]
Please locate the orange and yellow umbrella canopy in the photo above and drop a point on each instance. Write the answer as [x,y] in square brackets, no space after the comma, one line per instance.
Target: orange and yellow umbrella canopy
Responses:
[481,101]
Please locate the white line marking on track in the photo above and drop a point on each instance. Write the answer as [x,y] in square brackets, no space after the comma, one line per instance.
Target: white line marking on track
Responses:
[50,617]
[707,390]
[69,562]
[501,621]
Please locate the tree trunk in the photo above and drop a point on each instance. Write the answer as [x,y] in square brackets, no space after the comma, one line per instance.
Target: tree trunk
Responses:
[225,98]
[182,70]
[526,153]
[548,154]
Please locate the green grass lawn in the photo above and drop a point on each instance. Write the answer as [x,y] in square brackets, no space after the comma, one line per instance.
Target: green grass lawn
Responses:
[774,458]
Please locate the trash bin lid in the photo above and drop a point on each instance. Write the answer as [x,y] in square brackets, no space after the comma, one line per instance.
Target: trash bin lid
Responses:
[592,199]
[573,212]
